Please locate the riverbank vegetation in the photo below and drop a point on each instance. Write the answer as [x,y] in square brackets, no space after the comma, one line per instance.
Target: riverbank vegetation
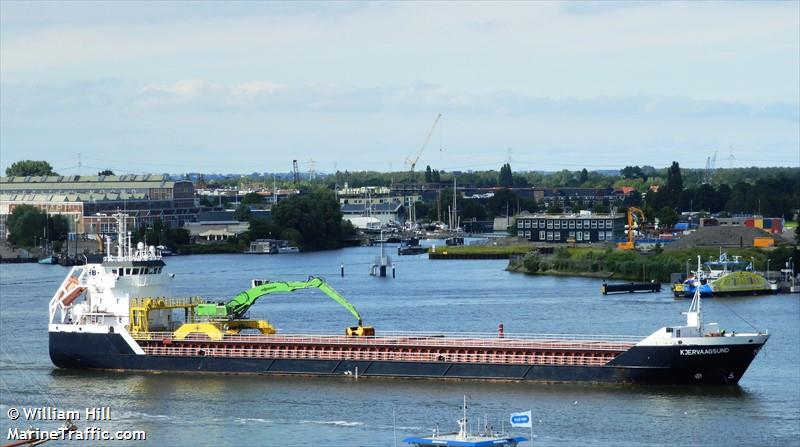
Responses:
[636,266]
[28,227]
[515,249]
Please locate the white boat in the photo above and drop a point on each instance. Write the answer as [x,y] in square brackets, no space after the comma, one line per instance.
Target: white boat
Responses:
[463,438]
[288,249]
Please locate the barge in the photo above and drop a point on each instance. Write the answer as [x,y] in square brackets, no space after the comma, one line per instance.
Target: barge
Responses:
[114,315]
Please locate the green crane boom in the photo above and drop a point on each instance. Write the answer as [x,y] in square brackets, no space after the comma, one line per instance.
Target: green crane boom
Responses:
[238,306]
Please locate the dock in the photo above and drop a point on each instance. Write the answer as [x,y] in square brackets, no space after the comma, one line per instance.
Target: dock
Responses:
[630,287]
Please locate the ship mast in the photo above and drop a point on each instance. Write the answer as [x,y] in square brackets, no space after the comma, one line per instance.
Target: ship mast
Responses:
[694,317]
[462,424]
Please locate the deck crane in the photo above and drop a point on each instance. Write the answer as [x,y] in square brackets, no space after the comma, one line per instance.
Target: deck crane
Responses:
[630,244]
[413,162]
[230,317]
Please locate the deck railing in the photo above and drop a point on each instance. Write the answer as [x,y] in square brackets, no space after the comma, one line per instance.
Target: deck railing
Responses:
[427,340]
[369,355]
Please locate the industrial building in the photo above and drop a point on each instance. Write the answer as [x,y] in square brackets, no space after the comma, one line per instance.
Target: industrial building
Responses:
[378,202]
[88,201]
[772,225]
[580,228]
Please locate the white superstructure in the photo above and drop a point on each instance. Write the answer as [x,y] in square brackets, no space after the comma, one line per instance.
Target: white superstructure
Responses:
[107,287]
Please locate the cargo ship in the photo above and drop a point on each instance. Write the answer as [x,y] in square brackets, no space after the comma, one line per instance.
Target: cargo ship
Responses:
[114,314]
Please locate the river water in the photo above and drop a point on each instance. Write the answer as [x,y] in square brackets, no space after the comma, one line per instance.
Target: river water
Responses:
[474,296]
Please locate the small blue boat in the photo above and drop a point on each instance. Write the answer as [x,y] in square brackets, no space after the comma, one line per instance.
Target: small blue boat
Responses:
[49,260]
[690,285]
[463,438]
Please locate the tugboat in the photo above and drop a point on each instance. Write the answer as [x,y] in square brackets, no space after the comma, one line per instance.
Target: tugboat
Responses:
[463,438]
[116,314]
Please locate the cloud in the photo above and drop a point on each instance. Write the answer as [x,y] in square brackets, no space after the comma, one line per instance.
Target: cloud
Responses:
[599,7]
[199,96]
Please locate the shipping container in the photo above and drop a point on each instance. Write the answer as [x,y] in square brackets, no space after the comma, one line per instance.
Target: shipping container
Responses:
[759,223]
[763,242]
[748,222]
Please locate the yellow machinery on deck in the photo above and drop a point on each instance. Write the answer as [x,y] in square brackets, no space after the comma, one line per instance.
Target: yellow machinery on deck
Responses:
[140,309]
[216,330]
[215,320]
[630,243]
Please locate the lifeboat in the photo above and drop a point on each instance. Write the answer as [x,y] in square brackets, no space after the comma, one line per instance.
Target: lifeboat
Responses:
[70,291]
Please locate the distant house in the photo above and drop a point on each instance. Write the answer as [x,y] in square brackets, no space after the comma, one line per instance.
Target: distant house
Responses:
[215,226]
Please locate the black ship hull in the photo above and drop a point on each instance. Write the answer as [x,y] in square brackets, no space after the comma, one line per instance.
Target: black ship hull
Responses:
[685,365]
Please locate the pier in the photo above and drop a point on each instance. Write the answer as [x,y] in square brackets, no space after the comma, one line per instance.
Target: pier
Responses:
[630,287]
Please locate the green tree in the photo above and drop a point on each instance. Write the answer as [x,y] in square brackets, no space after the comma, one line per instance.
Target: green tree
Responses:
[444,204]
[528,205]
[57,227]
[555,209]
[252,198]
[471,209]
[262,229]
[668,217]
[178,236]
[632,172]
[503,201]
[25,224]
[205,201]
[423,210]
[532,261]
[583,177]
[674,181]
[316,217]
[520,181]
[428,174]
[506,178]
[601,207]
[242,213]
[24,168]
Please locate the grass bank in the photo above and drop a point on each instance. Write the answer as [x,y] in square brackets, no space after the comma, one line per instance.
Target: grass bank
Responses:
[516,249]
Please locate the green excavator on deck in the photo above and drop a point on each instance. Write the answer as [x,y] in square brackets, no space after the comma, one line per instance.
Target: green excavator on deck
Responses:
[230,317]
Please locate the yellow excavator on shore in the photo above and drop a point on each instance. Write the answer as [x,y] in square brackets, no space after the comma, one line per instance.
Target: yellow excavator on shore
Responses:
[630,244]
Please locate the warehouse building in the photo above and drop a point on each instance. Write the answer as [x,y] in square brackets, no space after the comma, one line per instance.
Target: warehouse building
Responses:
[88,201]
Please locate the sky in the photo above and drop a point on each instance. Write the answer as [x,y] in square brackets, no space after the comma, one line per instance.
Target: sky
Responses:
[246,87]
